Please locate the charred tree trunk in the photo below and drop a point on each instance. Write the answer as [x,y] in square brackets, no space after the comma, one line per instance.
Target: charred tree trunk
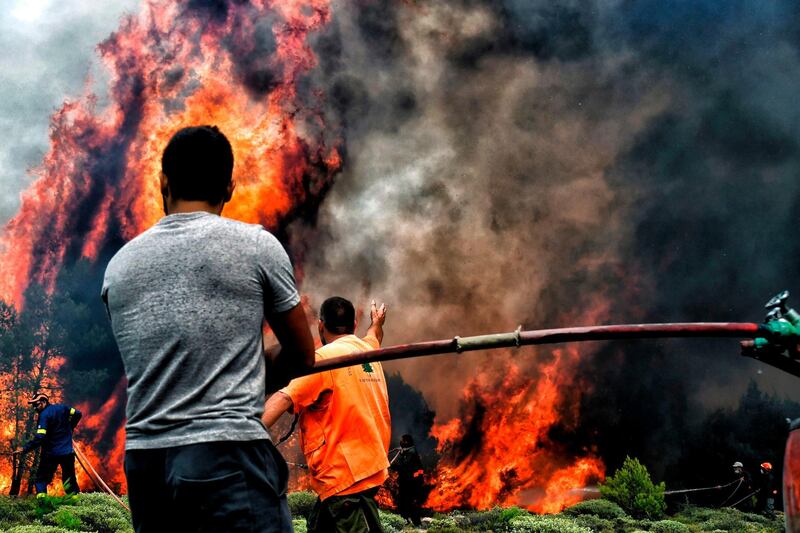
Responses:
[16,480]
[32,471]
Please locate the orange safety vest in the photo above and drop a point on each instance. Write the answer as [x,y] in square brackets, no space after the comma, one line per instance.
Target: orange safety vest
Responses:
[344,421]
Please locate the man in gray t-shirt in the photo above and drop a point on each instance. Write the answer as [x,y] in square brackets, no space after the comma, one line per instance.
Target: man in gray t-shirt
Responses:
[188,299]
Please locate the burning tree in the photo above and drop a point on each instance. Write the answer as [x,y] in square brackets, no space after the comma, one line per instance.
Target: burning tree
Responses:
[34,343]
[31,352]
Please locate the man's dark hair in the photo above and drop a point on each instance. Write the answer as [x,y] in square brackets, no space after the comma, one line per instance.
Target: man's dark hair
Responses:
[338,315]
[198,163]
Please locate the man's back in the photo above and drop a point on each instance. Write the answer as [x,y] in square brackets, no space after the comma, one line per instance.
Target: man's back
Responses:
[345,422]
[187,302]
[55,422]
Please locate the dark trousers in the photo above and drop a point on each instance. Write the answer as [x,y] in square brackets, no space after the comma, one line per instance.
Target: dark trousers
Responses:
[408,500]
[214,487]
[353,513]
[47,469]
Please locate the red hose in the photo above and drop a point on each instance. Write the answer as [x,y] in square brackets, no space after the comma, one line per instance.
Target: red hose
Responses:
[740,330]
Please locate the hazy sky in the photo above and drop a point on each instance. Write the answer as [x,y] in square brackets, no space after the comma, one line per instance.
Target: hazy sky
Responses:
[47,50]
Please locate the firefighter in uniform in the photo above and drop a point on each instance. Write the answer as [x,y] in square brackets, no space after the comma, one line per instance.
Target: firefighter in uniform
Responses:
[765,497]
[54,435]
[410,480]
[344,424]
[742,495]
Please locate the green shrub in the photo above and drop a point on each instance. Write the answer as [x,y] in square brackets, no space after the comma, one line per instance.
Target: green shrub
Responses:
[16,511]
[92,511]
[545,524]
[98,498]
[669,526]
[104,518]
[595,523]
[632,489]
[602,508]
[64,518]
[37,528]
[509,513]
[50,504]
[629,524]
[730,523]
[299,525]
[391,522]
[446,529]
[484,520]
[442,522]
[728,519]
[301,503]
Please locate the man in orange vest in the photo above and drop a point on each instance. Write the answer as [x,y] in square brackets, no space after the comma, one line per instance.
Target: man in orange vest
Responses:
[344,423]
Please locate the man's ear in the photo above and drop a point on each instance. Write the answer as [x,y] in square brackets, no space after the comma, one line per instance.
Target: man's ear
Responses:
[229,192]
[355,325]
[163,184]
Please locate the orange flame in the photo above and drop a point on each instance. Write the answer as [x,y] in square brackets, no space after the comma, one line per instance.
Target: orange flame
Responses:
[172,66]
[97,186]
[499,450]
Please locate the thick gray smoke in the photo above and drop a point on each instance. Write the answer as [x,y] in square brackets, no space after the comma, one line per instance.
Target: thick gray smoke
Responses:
[553,163]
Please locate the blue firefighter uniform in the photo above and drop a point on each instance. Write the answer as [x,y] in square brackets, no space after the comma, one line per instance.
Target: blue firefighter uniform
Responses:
[54,435]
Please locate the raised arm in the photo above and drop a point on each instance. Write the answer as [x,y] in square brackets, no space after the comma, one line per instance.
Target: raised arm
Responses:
[378,317]
[297,347]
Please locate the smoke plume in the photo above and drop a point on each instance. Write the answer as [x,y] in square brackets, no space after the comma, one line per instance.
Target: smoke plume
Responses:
[553,163]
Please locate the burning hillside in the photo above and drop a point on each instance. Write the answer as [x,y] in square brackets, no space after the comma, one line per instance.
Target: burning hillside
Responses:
[499,445]
[475,164]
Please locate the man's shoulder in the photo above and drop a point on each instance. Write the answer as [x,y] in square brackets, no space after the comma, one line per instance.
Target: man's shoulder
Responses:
[343,346]
[234,232]
[131,246]
[51,410]
[237,226]
[254,237]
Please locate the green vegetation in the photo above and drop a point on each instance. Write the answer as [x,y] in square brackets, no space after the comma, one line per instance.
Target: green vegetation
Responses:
[631,488]
[99,513]
[600,508]
[301,503]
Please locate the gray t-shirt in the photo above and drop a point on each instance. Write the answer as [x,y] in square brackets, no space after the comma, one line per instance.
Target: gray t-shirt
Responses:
[187,300]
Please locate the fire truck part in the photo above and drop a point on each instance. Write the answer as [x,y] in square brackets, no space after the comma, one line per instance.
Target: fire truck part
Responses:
[791,479]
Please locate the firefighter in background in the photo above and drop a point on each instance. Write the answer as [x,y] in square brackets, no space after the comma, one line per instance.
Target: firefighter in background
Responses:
[742,495]
[765,497]
[410,480]
[344,423]
[54,435]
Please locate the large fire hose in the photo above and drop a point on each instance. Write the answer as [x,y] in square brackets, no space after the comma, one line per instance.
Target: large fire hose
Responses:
[518,338]
[775,342]
[94,476]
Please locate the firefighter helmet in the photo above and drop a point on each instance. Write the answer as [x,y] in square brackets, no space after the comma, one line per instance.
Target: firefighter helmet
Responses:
[738,464]
[766,466]
[37,397]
